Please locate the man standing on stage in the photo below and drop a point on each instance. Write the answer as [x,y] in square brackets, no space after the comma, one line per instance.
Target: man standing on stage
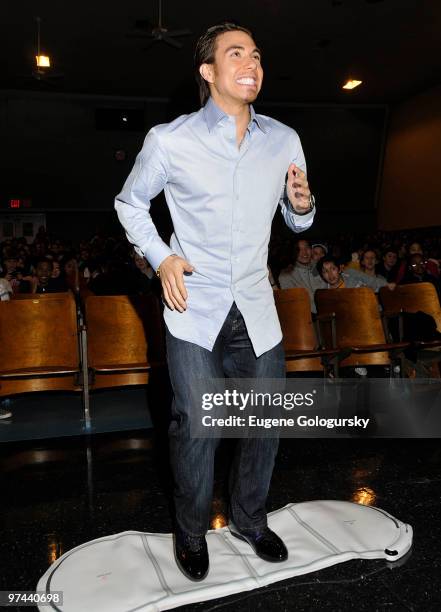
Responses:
[224,171]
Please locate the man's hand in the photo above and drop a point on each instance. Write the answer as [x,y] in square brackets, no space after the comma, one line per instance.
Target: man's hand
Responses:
[171,273]
[297,189]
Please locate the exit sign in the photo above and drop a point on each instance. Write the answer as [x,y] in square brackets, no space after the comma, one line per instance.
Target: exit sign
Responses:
[20,203]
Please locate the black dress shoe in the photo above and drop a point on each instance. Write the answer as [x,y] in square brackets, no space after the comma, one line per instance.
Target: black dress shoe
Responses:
[191,555]
[266,544]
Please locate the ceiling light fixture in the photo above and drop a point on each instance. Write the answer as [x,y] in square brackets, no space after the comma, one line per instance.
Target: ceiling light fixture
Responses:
[351,84]
[43,61]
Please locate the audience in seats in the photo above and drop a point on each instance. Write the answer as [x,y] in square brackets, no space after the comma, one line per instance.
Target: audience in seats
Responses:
[107,264]
[42,281]
[303,273]
[330,270]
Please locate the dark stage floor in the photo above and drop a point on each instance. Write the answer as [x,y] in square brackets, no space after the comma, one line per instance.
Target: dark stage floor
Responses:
[59,493]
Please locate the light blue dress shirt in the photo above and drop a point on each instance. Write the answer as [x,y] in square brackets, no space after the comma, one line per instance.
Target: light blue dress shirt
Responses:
[222,200]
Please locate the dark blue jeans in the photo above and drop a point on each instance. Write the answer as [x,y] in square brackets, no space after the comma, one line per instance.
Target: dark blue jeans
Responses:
[192,459]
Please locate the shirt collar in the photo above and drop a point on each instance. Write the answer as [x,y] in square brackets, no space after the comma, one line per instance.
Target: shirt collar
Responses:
[213,114]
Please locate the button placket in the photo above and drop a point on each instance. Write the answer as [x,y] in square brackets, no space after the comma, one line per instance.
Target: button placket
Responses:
[236,211]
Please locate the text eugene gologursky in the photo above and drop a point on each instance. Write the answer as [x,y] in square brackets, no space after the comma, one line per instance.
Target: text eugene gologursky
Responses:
[286,400]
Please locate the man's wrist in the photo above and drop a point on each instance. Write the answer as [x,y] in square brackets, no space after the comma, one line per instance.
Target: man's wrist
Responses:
[310,209]
[158,269]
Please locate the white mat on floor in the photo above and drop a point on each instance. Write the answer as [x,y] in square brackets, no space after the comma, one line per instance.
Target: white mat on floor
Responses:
[137,571]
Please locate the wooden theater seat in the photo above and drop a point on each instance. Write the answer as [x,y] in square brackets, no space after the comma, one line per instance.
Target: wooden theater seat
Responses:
[39,345]
[124,339]
[302,352]
[358,325]
[412,298]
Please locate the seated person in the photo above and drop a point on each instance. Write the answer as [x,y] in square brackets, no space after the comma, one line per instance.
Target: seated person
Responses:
[389,265]
[368,262]
[42,281]
[112,277]
[303,273]
[417,272]
[319,250]
[415,248]
[11,272]
[330,271]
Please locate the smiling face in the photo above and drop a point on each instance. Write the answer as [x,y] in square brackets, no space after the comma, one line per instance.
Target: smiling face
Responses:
[43,271]
[304,252]
[331,274]
[417,265]
[236,75]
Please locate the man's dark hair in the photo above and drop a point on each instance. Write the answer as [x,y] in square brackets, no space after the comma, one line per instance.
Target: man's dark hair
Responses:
[205,50]
[327,259]
[389,249]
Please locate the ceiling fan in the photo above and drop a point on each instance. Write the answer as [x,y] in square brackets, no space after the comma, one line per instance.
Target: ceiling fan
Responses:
[42,72]
[161,33]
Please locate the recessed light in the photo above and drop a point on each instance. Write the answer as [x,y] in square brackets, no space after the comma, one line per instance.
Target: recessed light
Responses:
[43,61]
[352,84]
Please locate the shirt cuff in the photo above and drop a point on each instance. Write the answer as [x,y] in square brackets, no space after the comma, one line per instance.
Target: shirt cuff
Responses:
[161,251]
[301,220]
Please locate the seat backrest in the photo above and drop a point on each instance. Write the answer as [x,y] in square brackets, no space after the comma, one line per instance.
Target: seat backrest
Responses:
[117,329]
[294,310]
[412,298]
[38,333]
[357,322]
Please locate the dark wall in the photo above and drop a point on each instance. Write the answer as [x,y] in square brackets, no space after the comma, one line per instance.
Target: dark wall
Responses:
[55,155]
[343,150]
[411,187]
